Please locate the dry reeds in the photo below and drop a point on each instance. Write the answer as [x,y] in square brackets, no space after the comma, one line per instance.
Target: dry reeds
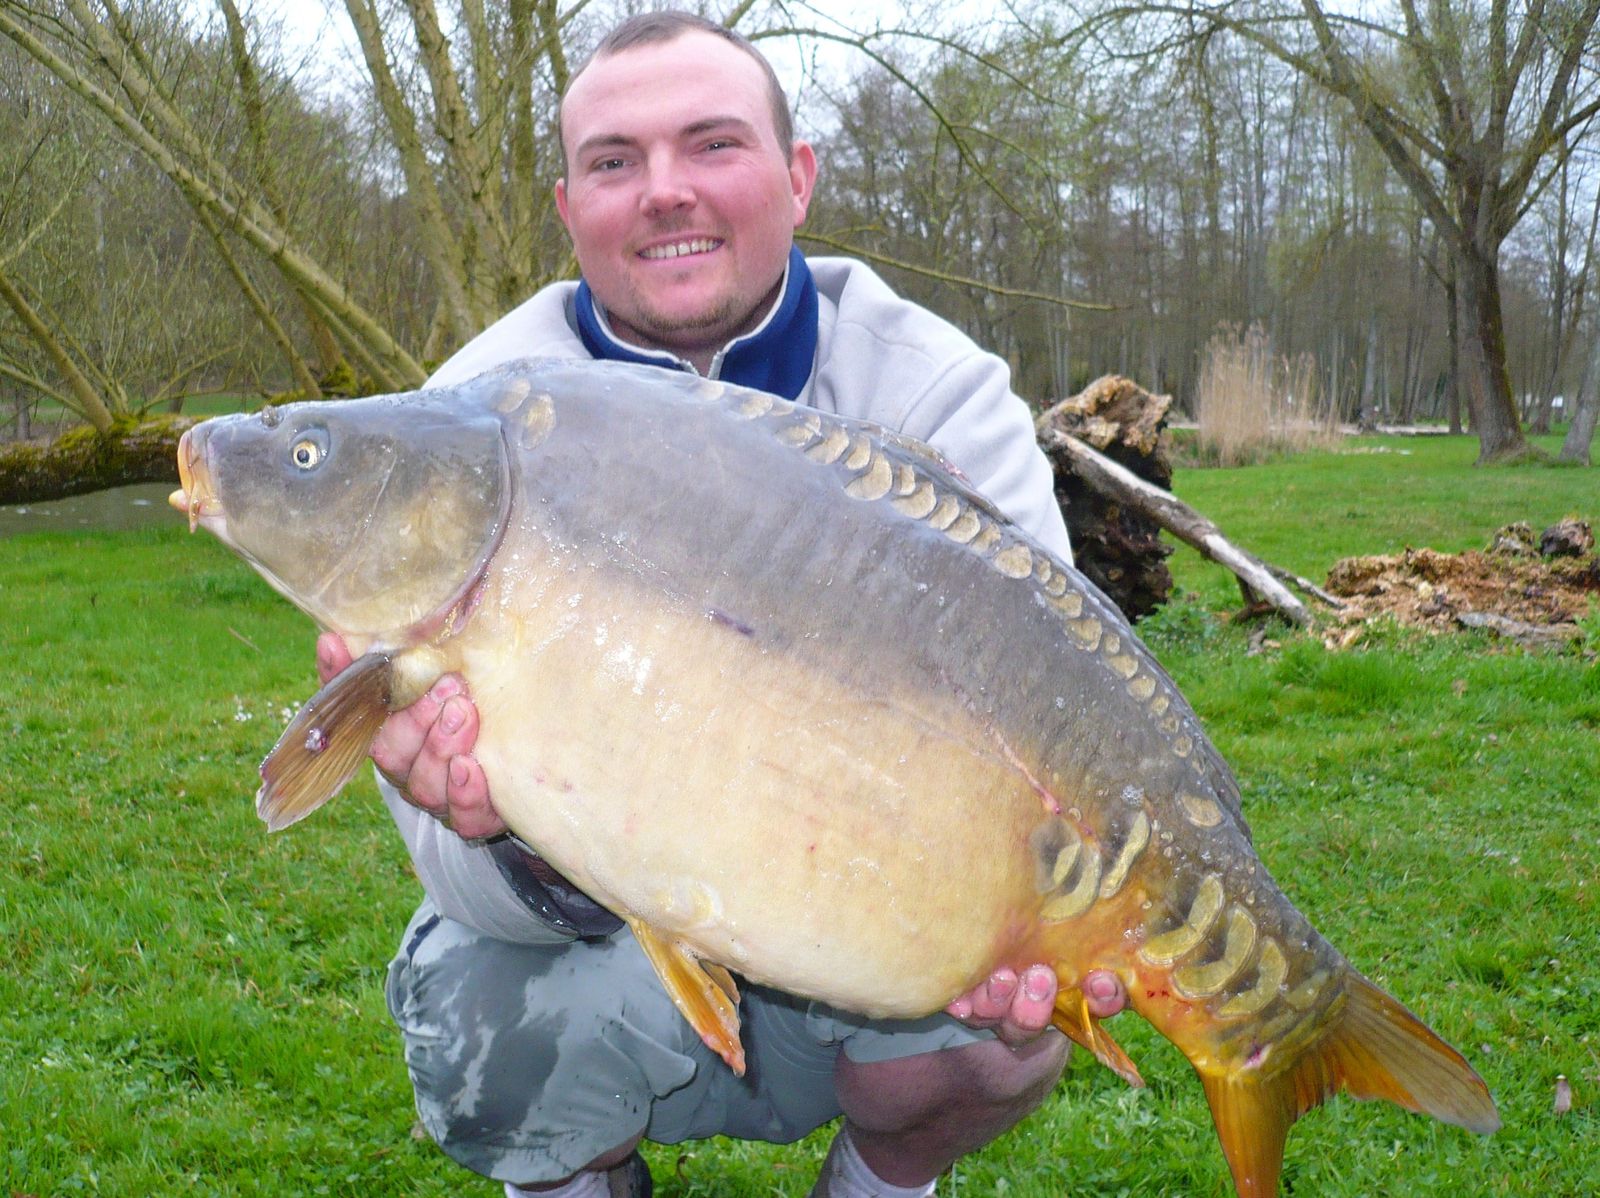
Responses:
[1252,404]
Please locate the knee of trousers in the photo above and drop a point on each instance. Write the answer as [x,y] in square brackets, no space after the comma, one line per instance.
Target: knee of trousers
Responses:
[528,1061]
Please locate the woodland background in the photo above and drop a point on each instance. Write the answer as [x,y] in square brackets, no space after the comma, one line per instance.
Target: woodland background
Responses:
[1396,204]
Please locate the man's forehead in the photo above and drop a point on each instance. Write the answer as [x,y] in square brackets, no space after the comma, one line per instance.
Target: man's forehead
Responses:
[691,63]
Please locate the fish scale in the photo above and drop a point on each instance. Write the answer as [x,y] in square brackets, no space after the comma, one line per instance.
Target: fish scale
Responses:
[790,697]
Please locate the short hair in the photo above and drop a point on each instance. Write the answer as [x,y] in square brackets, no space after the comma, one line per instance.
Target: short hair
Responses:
[658,28]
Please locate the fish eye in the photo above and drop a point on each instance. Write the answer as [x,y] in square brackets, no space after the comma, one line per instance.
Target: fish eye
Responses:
[309,449]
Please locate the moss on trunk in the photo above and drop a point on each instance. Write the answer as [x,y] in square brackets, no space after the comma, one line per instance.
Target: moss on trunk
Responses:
[83,460]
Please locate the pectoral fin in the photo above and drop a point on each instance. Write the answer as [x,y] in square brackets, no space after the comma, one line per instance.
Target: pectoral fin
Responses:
[325,744]
[705,993]
[1073,1019]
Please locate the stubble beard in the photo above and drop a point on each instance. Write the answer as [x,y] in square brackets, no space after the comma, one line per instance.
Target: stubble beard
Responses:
[720,321]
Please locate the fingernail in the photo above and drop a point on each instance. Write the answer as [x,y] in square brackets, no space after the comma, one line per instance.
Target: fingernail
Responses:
[1001,985]
[1101,986]
[458,772]
[1037,984]
[446,688]
[453,715]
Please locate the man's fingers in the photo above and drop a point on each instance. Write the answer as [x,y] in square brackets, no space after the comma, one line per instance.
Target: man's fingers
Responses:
[451,734]
[332,656]
[1034,1004]
[1105,992]
[992,1000]
[1018,1009]
[399,748]
[472,815]
[425,750]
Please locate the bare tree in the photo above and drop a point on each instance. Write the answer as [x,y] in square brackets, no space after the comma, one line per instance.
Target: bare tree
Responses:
[1472,104]
[104,58]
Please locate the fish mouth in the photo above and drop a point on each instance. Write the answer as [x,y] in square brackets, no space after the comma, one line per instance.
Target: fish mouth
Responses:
[194,496]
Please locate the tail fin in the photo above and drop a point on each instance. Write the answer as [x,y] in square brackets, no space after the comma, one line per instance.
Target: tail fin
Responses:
[1375,1049]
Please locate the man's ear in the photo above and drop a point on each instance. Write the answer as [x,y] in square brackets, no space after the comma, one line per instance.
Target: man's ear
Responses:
[802,178]
[561,203]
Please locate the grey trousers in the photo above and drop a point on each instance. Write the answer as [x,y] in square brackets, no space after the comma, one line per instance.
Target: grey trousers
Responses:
[529,1061]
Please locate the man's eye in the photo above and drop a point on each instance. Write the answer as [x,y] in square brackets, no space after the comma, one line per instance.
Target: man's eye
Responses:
[610,164]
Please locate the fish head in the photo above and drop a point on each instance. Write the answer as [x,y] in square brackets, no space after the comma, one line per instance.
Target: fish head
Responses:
[374,516]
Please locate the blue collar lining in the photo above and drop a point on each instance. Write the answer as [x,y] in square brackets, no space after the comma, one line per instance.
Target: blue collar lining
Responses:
[776,356]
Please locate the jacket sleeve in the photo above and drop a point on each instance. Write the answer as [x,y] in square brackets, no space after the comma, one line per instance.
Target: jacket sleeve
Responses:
[970,414]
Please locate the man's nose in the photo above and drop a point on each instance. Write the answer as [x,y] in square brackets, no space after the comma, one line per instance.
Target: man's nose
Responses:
[667,186]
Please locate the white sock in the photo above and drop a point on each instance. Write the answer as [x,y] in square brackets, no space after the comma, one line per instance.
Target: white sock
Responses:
[584,1185]
[846,1175]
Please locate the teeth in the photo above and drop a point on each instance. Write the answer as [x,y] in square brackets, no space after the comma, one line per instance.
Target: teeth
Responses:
[678,249]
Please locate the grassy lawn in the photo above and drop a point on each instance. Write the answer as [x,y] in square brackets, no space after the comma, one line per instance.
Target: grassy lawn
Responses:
[190,1007]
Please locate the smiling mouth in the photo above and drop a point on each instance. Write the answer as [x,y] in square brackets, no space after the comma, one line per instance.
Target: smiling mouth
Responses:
[680,249]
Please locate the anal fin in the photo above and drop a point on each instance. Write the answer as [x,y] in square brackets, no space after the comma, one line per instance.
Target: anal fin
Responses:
[1072,1018]
[705,993]
[325,743]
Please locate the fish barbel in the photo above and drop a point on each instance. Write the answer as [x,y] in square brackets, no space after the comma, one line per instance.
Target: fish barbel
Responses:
[784,693]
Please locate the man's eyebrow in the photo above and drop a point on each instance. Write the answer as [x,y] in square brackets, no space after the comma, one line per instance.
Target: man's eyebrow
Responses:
[603,141]
[711,124]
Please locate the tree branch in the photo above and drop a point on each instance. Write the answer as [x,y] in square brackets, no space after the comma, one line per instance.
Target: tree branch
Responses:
[946,277]
[1175,516]
[87,402]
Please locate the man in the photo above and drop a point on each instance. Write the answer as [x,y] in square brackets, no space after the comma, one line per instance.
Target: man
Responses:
[541,1047]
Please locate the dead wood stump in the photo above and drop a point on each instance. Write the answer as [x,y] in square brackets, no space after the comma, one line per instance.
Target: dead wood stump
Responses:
[1117,547]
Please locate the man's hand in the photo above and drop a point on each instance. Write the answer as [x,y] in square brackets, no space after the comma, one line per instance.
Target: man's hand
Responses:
[425,750]
[1019,1009]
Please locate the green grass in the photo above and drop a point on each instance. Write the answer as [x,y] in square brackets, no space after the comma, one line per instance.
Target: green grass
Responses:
[188,1006]
[1377,495]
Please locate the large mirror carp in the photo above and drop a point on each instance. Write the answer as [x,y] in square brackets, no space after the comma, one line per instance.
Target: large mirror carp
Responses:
[784,693]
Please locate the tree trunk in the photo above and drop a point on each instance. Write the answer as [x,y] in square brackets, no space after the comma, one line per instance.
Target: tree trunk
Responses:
[84,460]
[1580,433]
[1119,487]
[1452,382]
[1482,365]
[85,399]
[1586,409]
[1367,412]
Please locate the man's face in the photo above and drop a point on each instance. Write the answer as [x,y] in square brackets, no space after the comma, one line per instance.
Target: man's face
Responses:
[680,203]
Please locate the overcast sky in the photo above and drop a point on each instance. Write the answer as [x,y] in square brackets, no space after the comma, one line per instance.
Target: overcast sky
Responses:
[318,32]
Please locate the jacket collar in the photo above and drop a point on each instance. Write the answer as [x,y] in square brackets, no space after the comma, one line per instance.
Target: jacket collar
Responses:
[775,356]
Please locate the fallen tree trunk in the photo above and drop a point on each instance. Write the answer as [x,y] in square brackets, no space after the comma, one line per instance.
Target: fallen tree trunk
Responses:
[83,460]
[1113,483]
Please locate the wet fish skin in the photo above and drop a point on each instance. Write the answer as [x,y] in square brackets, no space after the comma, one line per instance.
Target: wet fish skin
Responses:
[787,695]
